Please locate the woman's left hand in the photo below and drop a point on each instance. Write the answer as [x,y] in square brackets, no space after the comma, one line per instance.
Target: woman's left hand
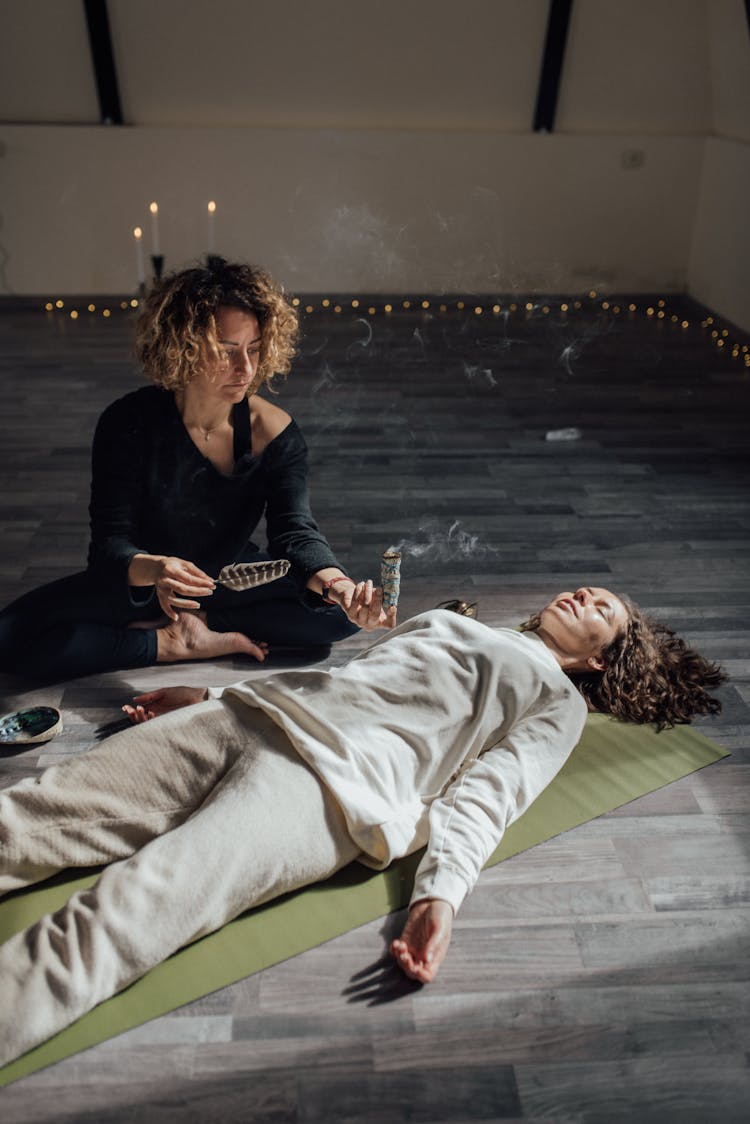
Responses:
[363,604]
[424,942]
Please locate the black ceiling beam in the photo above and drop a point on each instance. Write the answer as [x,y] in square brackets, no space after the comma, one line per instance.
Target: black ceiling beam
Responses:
[552,65]
[102,56]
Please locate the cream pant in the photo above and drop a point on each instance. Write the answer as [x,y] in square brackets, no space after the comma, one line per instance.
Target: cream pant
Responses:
[202,814]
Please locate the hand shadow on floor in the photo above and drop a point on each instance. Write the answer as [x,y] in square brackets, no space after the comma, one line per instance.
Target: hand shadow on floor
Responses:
[382,981]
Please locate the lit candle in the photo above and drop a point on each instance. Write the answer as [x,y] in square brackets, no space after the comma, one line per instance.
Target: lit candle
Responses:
[154,209]
[139,262]
[211,227]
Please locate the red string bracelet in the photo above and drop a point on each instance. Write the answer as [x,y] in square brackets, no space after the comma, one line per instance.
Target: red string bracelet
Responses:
[327,586]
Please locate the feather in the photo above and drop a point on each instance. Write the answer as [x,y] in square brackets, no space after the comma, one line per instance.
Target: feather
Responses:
[247,575]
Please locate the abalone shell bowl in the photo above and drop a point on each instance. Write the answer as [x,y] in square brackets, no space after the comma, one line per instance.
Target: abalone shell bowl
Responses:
[36,724]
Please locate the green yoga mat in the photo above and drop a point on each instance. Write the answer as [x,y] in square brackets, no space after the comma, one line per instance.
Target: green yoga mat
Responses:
[613,764]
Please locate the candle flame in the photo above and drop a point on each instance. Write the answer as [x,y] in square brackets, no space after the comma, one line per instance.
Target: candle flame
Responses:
[153,208]
[138,233]
[211,207]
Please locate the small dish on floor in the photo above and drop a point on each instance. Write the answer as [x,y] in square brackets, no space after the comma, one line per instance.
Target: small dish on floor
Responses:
[34,725]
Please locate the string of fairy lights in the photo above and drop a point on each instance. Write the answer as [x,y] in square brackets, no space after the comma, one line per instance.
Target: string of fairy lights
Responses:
[724,336]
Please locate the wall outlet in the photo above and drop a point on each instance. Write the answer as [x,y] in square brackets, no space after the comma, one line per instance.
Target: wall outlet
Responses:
[632,158]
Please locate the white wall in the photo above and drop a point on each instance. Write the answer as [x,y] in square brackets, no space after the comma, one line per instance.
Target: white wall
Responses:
[729,40]
[719,271]
[719,268]
[379,210]
[385,146]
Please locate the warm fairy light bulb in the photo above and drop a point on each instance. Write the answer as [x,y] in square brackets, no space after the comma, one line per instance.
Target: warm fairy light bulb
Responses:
[371,311]
[153,208]
[133,303]
[631,308]
[308,308]
[443,307]
[106,312]
[529,307]
[73,314]
[337,308]
[49,306]
[563,308]
[513,307]
[714,334]
[496,308]
[685,324]
[720,343]
[123,305]
[576,304]
[92,308]
[545,309]
[389,308]
[407,304]
[295,301]
[649,311]
[425,304]
[137,232]
[355,304]
[605,305]
[616,309]
[660,304]
[326,303]
[59,304]
[592,294]
[725,332]
[478,310]
[660,314]
[460,305]
[211,207]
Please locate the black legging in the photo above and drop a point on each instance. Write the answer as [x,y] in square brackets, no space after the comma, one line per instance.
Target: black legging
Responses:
[75,627]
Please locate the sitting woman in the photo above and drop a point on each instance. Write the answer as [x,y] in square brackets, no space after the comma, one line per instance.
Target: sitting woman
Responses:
[182,474]
[438,736]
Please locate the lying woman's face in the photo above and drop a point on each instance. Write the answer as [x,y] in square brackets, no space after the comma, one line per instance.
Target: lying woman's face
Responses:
[239,339]
[579,625]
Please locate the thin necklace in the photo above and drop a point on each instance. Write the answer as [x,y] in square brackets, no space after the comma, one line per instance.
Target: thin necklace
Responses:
[206,432]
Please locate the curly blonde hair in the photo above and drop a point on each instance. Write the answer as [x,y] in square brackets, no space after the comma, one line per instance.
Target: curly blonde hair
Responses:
[650,674]
[176,330]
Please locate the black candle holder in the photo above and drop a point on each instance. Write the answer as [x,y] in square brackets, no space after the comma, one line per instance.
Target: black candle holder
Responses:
[157,264]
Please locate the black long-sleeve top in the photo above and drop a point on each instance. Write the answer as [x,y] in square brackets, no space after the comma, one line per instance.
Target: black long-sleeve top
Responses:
[153,492]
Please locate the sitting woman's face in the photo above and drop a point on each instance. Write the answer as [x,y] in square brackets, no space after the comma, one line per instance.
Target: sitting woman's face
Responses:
[239,339]
[579,625]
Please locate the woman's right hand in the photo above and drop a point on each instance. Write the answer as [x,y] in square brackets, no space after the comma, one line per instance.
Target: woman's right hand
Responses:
[176,581]
[162,701]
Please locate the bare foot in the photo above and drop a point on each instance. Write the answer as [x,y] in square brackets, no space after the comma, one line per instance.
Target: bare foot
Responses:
[190,638]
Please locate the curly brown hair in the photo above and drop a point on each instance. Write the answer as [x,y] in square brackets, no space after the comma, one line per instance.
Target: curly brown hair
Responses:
[176,330]
[650,674]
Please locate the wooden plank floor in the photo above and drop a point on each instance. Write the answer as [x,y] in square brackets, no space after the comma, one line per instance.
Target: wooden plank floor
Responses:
[602,976]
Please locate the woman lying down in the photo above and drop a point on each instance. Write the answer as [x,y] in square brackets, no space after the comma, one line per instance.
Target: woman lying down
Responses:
[439,736]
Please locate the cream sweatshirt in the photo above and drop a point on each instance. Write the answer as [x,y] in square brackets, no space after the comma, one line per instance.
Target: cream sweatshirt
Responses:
[440,735]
